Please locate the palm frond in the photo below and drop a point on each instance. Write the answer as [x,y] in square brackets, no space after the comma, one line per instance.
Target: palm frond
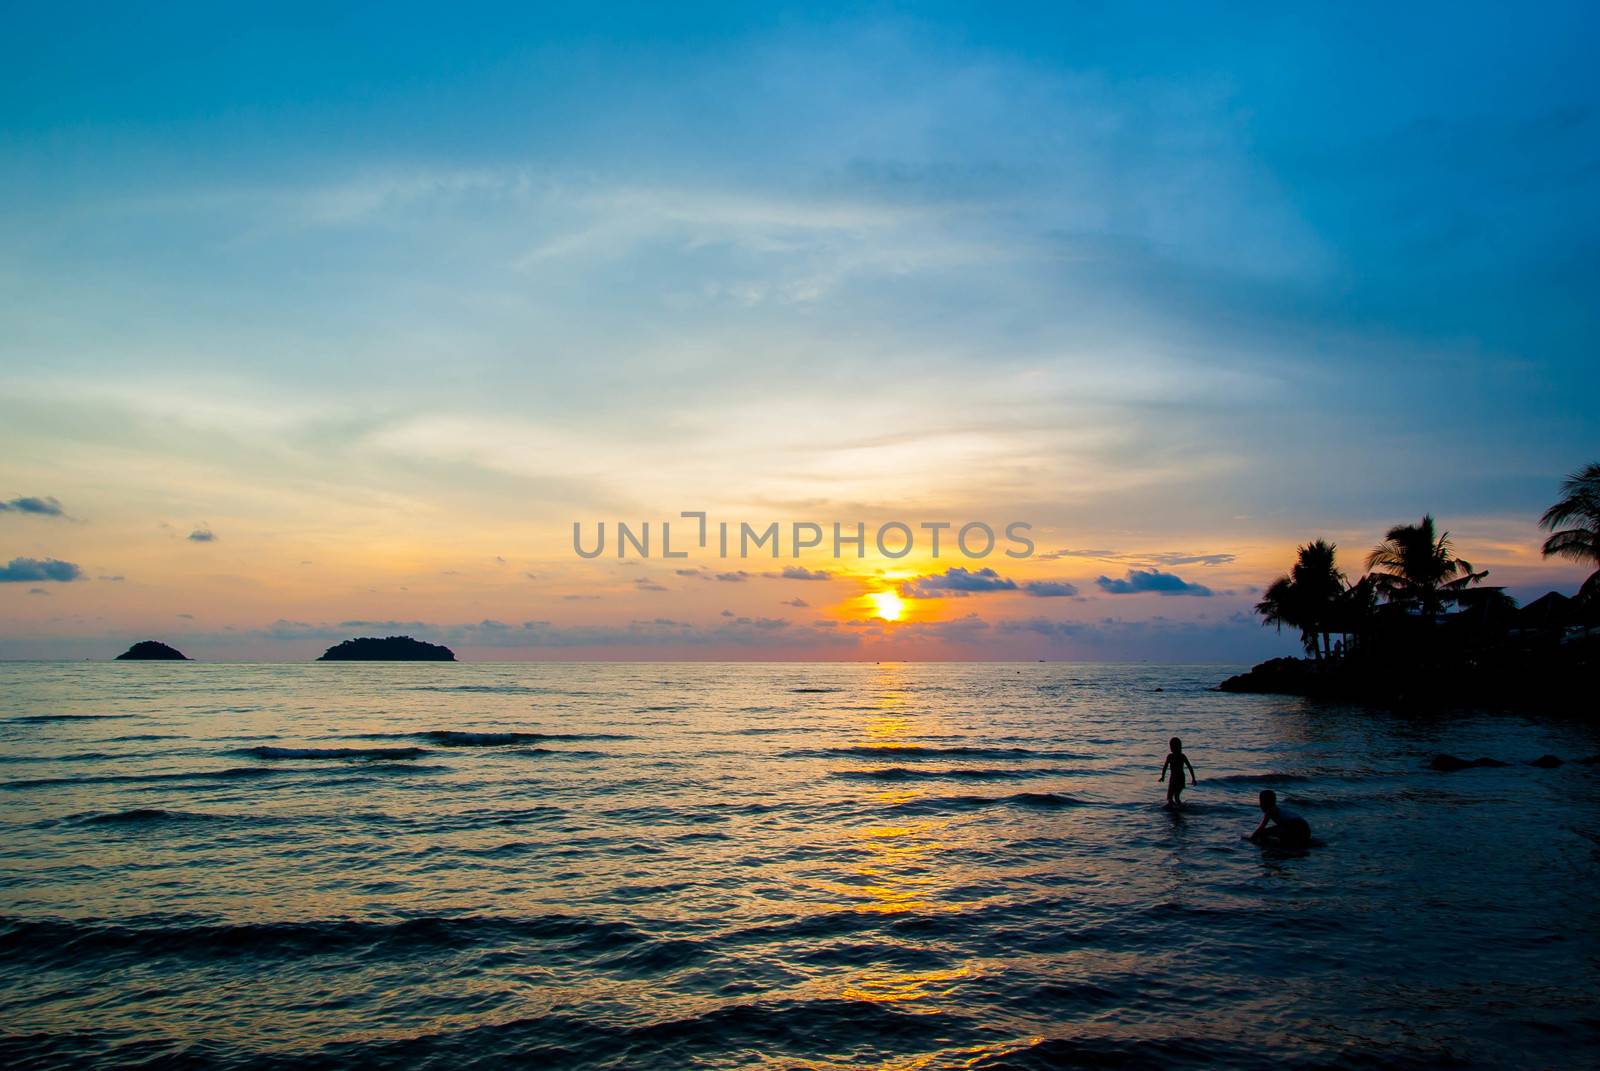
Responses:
[1580,500]
[1579,544]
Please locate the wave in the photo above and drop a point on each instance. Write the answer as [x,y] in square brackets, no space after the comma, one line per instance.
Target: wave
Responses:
[78,943]
[138,816]
[898,751]
[81,756]
[456,738]
[40,719]
[231,774]
[934,804]
[467,738]
[494,689]
[1124,1052]
[235,773]
[906,773]
[814,691]
[333,752]
[796,1028]
[1257,779]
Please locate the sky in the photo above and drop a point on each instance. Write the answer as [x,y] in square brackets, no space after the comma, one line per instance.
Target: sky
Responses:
[323,324]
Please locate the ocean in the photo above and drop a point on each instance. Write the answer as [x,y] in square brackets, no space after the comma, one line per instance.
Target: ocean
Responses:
[776,866]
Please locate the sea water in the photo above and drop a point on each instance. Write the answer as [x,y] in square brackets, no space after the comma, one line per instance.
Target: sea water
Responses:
[818,866]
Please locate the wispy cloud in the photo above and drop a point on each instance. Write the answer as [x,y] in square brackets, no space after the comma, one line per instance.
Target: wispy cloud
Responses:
[1146,558]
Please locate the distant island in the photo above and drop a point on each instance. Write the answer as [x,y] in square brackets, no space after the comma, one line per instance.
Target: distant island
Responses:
[152,651]
[1421,630]
[389,649]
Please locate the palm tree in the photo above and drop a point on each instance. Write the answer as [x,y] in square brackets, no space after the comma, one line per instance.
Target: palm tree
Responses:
[1282,605]
[1306,599]
[1413,567]
[1580,502]
[1353,610]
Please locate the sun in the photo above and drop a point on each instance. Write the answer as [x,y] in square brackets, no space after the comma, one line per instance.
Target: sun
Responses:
[888,605]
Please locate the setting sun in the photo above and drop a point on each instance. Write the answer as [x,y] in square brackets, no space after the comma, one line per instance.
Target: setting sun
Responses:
[888,605]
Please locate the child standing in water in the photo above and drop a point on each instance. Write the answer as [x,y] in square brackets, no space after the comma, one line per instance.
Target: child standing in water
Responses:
[1176,761]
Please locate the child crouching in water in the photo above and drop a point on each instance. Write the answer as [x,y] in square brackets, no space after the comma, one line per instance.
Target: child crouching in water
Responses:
[1176,761]
[1280,827]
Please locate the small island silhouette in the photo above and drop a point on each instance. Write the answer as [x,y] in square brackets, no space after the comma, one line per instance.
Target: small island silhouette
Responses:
[152,651]
[389,649]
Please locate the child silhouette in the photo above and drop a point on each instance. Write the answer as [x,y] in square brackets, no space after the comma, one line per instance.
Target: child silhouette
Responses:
[1280,827]
[1176,761]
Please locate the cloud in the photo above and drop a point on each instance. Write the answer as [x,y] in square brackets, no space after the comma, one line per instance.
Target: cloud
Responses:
[113,579]
[799,572]
[799,604]
[956,582]
[203,534]
[32,570]
[1043,626]
[968,629]
[1049,589]
[392,626]
[187,617]
[733,578]
[644,583]
[1160,557]
[1172,558]
[37,591]
[1056,555]
[43,507]
[688,572]
[763,632]
[727,613]
[1141,581]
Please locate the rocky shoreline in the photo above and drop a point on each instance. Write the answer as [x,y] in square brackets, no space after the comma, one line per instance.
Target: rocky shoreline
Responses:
[1556,681]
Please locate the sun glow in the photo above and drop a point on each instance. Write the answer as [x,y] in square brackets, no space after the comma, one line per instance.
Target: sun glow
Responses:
[888,605]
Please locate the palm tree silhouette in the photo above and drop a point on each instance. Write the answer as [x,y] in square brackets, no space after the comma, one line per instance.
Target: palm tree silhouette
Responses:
[1580,502]
[1414,568]
[1281,605]
[1308,597]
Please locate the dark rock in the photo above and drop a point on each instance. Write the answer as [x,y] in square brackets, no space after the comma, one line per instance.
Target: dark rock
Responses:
[1450,763]
[152,651]
[1546,762]
[1278,676]
[389,649]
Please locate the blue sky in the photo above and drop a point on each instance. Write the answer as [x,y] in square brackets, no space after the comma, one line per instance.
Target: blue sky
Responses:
[400,292]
